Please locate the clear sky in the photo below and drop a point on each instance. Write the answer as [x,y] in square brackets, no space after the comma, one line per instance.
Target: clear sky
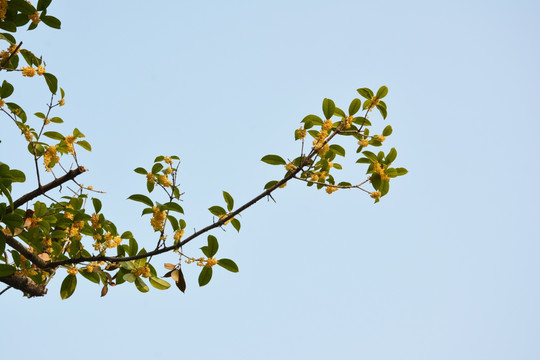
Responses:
[445,267]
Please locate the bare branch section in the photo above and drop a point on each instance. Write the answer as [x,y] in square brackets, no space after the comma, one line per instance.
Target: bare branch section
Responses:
[70,175]
[25,285]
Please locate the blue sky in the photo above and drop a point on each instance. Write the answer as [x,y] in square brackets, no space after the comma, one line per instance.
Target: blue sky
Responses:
[445,267]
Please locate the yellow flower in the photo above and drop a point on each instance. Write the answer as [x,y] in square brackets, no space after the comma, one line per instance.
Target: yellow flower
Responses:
[3,9]
[72,270]
[178,235]
[28,135]
[168,170]
[61,102]
[151,178]
[28,71]
[331,189]
[290,167]
[348,122]
[375,195]
[167,160]
[12,49]
[330,164]
[158,219]
[34,17]
[379,137]
[327,125]
[67,214]
[2,102]
[90,187]
[70,139]
[40,70]
[323,150]
[282,185]
[301,133]
[363,142]
[223,217]
[211,262]
[163,180]
[95,221]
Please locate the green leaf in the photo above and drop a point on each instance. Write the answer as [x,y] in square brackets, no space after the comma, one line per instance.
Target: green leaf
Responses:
[211,249]
[337,149]
[141,171]
[43,4]
[6,270]
[97,205]
[56,120]
[270,184]
[355,106]
[205,276]
[93,277]
[172,206]
[157,168]
[311,120]
[129,277]
[52,82]
[141,285]
[68,286]
[387,131]
[401,171]
[383,90]
[6,90]
[339,112]
[371,156]
[128,265]
[17,175]
[2,243]
[54,135]
[236,224]
[8,37]
[22,6]
[229,200]
[228,264]
[213,246]
[141,198]
[8,26]
[51,21]
[385,187]
[217,210]
[273,160]
[30,58]
[84,144]
[391,156]
[158,283]
[365,92]
[173,222]
[159,158]
[376,181]
[382,110]
[328,107]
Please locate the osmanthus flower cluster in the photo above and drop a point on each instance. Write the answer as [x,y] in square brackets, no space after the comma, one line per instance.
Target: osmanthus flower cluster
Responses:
[44,235]
[316,167]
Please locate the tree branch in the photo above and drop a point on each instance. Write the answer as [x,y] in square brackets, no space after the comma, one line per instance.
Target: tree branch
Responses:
[36,260]
[70,175]
[217,224]
[25,285]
